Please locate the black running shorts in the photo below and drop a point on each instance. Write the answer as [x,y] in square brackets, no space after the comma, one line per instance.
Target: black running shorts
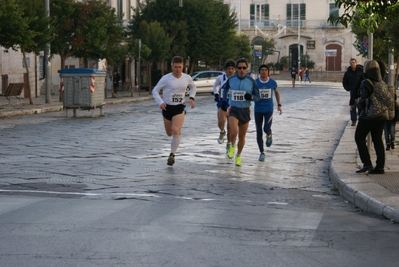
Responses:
[172,111]
[241,114]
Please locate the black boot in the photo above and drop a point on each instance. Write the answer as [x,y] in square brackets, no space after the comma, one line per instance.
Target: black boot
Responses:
[388,147]
[365,169]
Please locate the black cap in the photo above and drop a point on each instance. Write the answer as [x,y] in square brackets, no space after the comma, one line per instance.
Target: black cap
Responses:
[229,63]
[264,66]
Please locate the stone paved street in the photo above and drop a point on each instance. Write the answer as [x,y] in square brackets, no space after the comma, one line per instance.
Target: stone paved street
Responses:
[125,151]
[97,191]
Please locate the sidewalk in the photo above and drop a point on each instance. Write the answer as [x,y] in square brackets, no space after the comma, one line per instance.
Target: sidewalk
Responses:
[22,107]
[378,194]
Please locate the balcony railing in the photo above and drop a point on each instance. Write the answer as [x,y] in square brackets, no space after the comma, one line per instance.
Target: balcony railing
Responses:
[290,24]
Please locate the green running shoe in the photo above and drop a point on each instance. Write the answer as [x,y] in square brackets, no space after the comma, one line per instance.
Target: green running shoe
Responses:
[238,161]
[230,151]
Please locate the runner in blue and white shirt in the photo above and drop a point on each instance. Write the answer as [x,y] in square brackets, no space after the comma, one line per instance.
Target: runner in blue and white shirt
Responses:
[229,68]
[264,108]
[241,89]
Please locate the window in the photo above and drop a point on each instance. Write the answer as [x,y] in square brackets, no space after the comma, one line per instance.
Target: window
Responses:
[334,10]
[292,15]
[259,15]
[41,68]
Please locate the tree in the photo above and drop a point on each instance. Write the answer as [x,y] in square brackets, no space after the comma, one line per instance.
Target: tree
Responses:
[87,30]
[385,28]
[198,31]
[117,55]
[155,37]
[306,62]
[350,9]
[238,46]
[64,14]
[25,27]
[97,28]
[12,24]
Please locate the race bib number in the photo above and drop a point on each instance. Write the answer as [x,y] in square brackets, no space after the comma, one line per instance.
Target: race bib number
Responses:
[237,95]
[221,92]
[265,93]
[177,98]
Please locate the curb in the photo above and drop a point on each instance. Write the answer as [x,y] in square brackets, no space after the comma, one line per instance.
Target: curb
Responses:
[359,189]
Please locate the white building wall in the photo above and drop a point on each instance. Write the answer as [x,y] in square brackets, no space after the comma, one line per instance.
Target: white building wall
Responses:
[316,28]
[11,65]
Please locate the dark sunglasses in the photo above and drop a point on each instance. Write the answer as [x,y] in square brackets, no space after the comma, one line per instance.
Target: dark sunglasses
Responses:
[242,68]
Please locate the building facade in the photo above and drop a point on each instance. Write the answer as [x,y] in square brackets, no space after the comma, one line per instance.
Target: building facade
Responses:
[298,26]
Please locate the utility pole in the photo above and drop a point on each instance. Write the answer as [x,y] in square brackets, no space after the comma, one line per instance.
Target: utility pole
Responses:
[370,47]
[391,78]
[139,69]
[47,61]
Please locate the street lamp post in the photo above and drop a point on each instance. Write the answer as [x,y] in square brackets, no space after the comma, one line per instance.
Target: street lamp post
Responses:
[299,37]
[47,61]
[239,18]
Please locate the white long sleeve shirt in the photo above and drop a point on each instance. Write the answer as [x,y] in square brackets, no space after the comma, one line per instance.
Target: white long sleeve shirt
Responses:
[173,89]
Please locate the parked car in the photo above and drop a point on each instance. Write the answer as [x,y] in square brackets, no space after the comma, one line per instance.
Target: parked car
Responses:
[204,80]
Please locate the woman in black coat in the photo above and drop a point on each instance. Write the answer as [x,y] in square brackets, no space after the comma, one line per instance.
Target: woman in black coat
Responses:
[366,125]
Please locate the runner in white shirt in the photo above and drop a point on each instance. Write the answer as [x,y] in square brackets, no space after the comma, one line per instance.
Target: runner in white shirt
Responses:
[173,86]
[229,68]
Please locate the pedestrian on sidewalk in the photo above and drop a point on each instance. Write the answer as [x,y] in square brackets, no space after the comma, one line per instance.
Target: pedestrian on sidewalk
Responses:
[300,74]
[293,76]
[116,80]
[241,89]
[351,82]
[173,86]
[229,68]
[307,77]
[264,108]
[372,84]
[390,128]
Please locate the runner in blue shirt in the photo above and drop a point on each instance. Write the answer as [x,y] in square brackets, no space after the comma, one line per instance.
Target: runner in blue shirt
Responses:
[264,108]
[241,89]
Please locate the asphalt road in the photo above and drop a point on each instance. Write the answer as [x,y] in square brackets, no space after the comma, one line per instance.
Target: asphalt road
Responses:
[97,191]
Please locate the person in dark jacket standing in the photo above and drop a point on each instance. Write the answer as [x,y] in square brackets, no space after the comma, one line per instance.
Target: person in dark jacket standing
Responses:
[351,82]
[366,125]
[117,78]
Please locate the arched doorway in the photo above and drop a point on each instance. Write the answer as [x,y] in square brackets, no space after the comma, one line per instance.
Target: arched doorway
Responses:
[333,61]
[293,56]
